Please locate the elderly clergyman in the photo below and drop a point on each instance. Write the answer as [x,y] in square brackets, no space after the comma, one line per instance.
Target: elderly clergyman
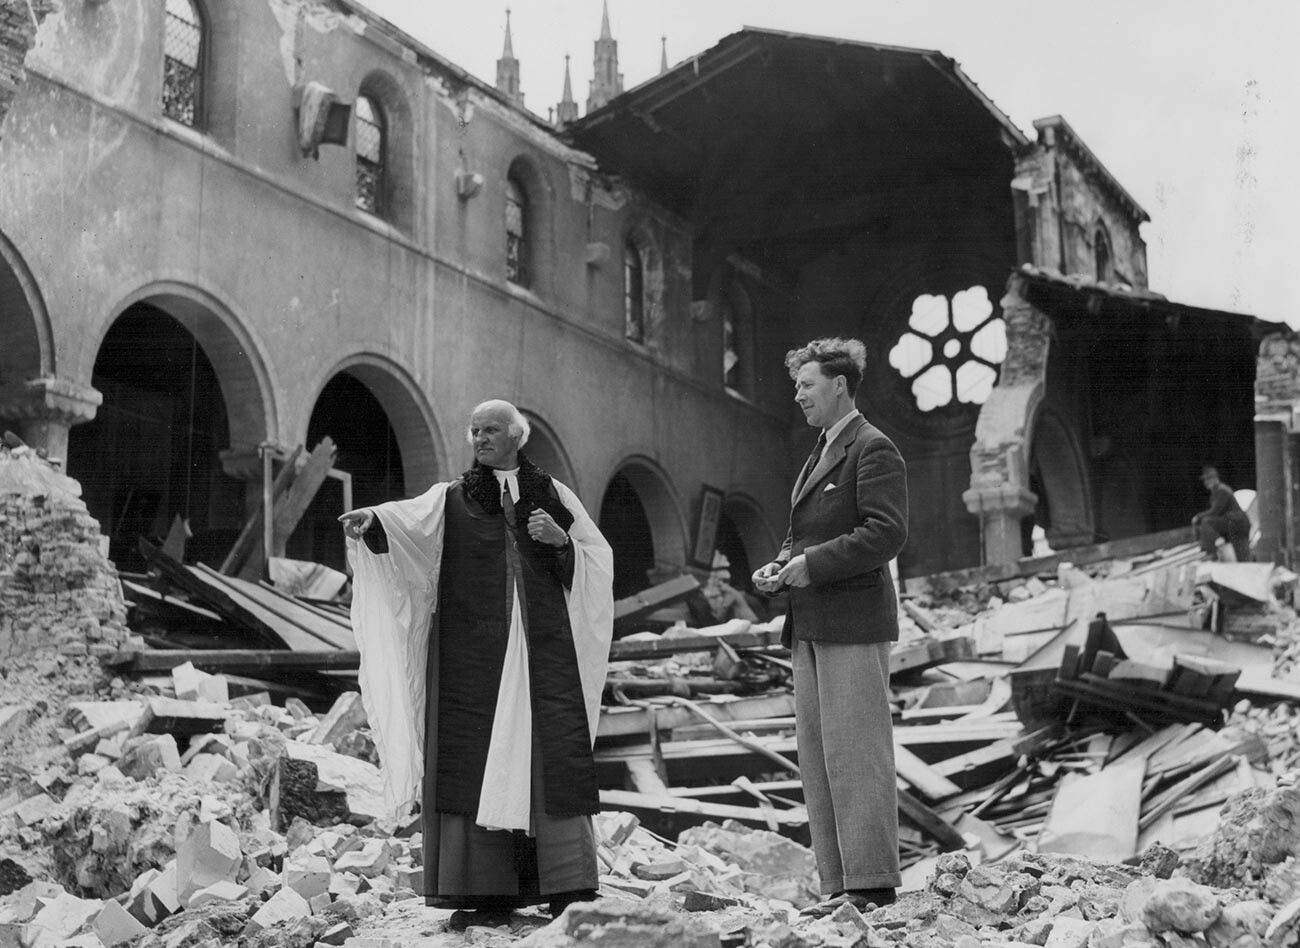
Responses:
[483,610]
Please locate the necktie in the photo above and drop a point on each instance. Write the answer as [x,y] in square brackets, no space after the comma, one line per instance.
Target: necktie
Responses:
[507,503]
[811,463]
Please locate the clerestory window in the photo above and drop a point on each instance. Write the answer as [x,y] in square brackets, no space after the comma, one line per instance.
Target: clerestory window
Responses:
[370,144]
[182,63]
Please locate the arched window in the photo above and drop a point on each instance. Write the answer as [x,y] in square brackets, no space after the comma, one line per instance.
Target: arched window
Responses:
[516,232]
[1104,259]
[633,292]
[952,349]
[737,318]
[369,139]
[182,63]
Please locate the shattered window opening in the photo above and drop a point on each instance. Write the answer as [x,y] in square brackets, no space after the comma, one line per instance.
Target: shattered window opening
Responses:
[182,54]
[370,154]
[633,292]
[516,231]
[952,349]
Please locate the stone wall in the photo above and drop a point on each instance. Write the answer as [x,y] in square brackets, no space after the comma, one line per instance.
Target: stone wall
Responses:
[17,32]
[58,591]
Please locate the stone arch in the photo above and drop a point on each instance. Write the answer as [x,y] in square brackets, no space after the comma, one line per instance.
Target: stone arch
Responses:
[236,355]
[641,516]
[28,350]
[186,402]
[546,451]
[744,515]
[408,410]
[1059,465]
[397,198]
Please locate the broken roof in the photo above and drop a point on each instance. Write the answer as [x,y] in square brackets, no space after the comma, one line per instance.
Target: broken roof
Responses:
[783,133]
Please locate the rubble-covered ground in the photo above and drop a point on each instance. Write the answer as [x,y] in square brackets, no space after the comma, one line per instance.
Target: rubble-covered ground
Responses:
[164,813]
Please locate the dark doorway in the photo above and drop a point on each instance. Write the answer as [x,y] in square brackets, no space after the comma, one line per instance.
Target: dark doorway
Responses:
[151,454]
[347,412]
[625,525]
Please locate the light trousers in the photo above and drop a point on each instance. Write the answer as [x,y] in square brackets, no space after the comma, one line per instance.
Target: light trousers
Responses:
[846,758]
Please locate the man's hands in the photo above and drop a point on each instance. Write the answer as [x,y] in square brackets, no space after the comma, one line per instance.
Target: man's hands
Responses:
[773,576]
[544,529]
[356,523]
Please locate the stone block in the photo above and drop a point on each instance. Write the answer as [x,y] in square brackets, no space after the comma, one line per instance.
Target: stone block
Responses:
[209,769]
[369,861]
[90,764]
[410,877]
[1068,932]
[296,795]
[1181,905]
[319,903]
[262,879]
[218,744]
[153,896]
[35,809]
[707,902]
[191,684]
[620,924]
[285,905]
[115,925]
[12,720]
[658,871]
[173,716]
[359,779]
[309,876]
[13,876]
[335,934]
[111,747]
[143,758]
[346,715]
[224,891]
[211,854]
[65,915]
[343,884]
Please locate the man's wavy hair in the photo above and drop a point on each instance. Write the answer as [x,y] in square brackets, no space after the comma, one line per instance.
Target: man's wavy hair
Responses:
[516,424]
[846,357]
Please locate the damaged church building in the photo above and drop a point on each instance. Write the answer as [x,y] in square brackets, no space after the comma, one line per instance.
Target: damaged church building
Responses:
[232,228]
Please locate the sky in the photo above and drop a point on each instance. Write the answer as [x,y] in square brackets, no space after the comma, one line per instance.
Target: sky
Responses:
[1193,105]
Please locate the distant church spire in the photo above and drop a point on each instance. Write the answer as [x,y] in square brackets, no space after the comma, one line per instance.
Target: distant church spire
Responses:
[567,110]
[663,55]
[608,81]
[508,69]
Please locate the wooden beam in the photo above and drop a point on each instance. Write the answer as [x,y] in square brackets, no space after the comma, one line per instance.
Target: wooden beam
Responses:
[621,651]
[250,536]
[930,822]
[236,661]
[303,490]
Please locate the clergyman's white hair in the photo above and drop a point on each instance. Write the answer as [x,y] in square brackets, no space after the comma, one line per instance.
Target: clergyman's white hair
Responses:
[517,423]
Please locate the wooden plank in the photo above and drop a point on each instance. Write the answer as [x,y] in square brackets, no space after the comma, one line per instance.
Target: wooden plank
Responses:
[282,612]
[1096,815]
[1174,540]
[646,601]
[991,753]
[288,511]
[955,732]
[1160,805]
[921,776]
[182,577]
[250,537]
[623,721]
[645,777]
[930,822]
[624,651]
[762,816]
[237,661]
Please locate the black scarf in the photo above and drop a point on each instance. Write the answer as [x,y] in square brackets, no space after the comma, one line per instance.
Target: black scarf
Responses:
[535,490]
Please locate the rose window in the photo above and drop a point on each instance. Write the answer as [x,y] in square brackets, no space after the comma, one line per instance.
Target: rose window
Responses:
[951,350]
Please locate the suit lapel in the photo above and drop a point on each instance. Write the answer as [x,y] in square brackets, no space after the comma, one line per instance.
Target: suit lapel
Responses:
[833,455]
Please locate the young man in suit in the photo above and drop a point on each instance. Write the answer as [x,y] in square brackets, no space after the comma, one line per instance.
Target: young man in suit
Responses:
[848,519]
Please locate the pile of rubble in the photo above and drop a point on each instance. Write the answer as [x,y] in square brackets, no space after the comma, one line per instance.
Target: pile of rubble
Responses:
[55,578]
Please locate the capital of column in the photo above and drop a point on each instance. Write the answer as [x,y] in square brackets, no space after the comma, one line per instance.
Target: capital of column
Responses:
[1005,499]
[51,400]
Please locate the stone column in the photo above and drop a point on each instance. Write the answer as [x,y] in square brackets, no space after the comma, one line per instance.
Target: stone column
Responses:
[45,409]
[999,458]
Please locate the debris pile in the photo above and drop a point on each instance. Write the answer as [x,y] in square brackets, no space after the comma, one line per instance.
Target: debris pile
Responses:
[54,577]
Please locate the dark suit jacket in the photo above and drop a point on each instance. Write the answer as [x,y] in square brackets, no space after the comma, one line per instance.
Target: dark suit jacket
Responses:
[849,519]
